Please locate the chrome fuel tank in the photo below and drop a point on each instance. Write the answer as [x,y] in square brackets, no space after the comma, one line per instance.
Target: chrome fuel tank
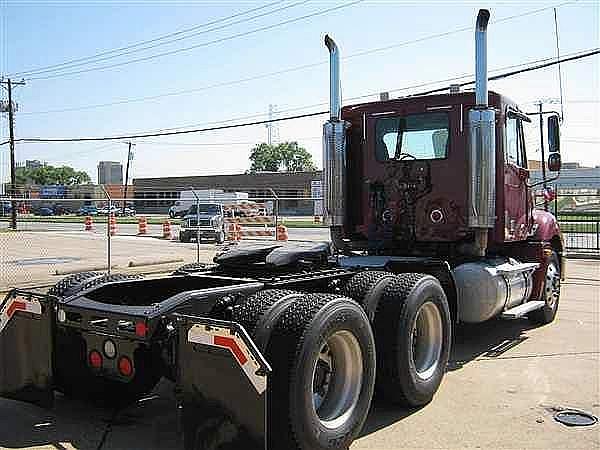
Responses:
[488,287]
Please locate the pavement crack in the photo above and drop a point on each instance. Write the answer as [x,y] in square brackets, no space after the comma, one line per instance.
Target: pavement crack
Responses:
[108,429]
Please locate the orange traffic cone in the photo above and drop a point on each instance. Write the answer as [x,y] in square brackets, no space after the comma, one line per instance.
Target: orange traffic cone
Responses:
[112,225]
[281,233]
[142,225]
[231,231]
[89,226]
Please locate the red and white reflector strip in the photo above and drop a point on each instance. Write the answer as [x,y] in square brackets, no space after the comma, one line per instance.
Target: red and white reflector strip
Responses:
[15,304]
[222,338]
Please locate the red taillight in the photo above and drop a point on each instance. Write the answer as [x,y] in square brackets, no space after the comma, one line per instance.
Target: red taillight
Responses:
[125,366]
[141,329]
[95,359]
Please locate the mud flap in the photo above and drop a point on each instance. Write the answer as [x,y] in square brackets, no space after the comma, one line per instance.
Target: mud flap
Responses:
[221,385]
[26,321]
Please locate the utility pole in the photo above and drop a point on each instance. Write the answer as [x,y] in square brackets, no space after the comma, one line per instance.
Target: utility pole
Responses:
[13,174]
[129,158]
[272,131]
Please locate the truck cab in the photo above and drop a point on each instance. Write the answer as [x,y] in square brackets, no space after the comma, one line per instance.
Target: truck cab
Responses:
[409,163]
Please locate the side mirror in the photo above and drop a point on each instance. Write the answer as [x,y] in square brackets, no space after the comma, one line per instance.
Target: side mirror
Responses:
[553,134]
[554,162]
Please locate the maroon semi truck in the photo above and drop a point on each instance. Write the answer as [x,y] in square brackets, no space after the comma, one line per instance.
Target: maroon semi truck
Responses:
[284,345]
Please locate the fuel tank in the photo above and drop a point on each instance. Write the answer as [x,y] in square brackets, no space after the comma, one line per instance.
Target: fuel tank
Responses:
[486,288]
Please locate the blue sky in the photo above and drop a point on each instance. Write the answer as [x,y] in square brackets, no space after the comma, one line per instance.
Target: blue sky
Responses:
[40,33]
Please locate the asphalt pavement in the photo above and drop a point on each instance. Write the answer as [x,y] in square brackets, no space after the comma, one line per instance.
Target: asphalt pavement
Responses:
[504,383]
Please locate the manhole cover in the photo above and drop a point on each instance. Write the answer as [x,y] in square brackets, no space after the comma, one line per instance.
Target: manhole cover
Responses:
[575,418]
[41,261]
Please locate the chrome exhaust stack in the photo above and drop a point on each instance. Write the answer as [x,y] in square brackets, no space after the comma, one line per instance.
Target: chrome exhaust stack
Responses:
[334,148]
[482,146]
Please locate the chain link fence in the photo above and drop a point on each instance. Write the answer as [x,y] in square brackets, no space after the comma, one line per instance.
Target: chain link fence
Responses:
[56,236]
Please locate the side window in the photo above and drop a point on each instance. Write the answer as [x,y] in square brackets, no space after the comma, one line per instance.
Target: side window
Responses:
[522,150]
[511,147]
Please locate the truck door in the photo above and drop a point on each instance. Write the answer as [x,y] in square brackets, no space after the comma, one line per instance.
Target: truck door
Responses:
[26,321]
[516,176]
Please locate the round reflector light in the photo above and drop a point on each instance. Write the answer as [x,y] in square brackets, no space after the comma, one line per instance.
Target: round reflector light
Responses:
[125,366]
[95,359]
[110,349]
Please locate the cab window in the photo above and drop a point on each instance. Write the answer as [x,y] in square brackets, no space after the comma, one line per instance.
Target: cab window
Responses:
[415,136]
[514,147]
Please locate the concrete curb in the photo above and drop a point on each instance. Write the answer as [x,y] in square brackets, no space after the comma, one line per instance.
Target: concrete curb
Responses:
[84,269]
[154,262]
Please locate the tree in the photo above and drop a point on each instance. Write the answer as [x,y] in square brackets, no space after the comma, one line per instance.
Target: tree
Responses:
[287,156]
[51,175]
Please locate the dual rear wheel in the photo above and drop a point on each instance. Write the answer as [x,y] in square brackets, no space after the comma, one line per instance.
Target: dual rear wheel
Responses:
[322,349]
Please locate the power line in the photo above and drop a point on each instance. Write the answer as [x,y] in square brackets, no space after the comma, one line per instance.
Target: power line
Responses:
[111,54]
[359,97]
[300,116]
[517,72]
[205,44]
[282,71]
[171,133]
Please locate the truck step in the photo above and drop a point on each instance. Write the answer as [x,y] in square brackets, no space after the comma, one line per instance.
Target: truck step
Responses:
[522,309]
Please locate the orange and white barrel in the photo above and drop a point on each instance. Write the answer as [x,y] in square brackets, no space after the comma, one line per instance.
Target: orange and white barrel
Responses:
[142,225]
[281,233]
[89,225]
[112,225]
[167,230]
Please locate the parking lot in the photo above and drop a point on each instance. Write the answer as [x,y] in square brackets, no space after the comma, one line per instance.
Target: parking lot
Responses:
[504,383]
[44,253]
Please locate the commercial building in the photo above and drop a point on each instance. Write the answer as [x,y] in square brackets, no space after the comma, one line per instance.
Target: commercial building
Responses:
[110,172]
[156,195]
[573,178]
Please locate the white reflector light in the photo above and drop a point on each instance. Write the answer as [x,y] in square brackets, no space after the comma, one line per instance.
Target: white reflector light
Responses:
[110,349]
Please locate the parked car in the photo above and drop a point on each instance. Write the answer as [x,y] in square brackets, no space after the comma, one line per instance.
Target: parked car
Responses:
[5,208]
[43,211]
[87,210]
[127,211]
[60,210]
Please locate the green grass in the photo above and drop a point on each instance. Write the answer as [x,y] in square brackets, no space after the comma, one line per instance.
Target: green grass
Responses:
[81,219]
[302,224]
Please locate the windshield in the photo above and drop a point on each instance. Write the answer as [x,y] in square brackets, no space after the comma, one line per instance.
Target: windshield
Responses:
[205,209]
[415,136]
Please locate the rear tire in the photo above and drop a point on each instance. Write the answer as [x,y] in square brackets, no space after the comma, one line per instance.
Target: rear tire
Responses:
[367,288]
[413,334]
[70,283]
[550,293]
[190,268]
[113,277]
[323,357]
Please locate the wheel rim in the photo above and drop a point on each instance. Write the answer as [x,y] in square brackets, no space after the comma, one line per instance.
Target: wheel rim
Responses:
[427,337]
[552,285]
[337,379]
